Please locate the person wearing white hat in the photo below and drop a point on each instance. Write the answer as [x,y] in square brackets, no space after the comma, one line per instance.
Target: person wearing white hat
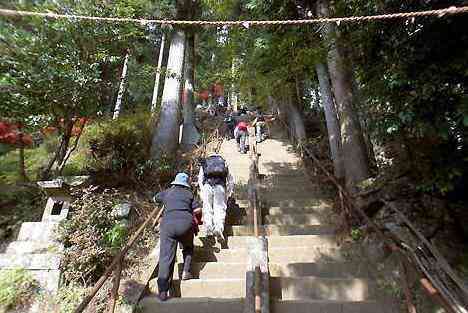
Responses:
[176,227]
[216,186]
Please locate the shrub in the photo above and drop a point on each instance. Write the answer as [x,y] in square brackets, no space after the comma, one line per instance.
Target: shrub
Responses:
[16,288]
[119,150]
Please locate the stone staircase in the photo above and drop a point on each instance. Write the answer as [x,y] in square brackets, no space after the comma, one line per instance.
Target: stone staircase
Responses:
[308,272]
[219,284]
[35,251]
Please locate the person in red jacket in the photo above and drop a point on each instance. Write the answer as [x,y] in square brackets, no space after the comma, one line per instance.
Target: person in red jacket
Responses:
[241,135]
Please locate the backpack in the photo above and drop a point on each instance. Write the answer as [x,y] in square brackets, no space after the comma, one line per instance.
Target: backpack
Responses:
[215,166]
[242,126]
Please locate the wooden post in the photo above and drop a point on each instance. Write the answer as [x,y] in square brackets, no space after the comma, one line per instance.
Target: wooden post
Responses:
[258,289]
[257,296]
[115,287]
[85,302]
[435,294]
[404,280]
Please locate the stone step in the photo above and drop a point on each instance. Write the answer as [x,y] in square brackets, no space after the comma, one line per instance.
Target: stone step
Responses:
[44,261]
[217,255]
[34,247]
[151,304]
[319,269]
[214,270]
[37,231]
[275,230]
[305,255]
[213,288]
[232,242]
[275,254]
[325,306]
[317,288]
[277,210]
[296,197]
[48,279]
[301,241]
[291,202]
[235,242]
[294,219]
[291,184]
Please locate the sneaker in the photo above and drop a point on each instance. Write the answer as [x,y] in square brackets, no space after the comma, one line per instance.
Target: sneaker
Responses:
[162,296]
[187,276]
[220,237]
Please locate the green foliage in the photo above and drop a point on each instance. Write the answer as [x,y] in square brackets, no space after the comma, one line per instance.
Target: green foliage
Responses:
[413,79]
[35,159]
[16,288]
[119,150]
[18,204]
[356,234]
[116,235]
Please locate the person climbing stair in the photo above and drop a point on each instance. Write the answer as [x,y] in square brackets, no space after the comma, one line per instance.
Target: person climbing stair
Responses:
[241,134]
[216,186]
[176,227]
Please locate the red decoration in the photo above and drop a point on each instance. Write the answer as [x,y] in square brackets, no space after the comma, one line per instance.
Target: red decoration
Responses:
[10,134]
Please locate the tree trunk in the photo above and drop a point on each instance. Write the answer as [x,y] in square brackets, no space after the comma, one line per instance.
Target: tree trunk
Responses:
[165,140]
[190,135]
[317,97]
[334,134]
[234,94]
[364,126]
[299,84]
[296,120]
[154,101]
[62,149]
[123,82]
[22,167]
[69,152]
[294,116]
[354,150]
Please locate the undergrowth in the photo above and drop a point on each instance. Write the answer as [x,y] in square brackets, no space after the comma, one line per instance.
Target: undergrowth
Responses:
[89,235]
[16,288]
[18,204]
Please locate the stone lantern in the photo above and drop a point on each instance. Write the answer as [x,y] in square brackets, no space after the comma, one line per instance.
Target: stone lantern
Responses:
[36,249]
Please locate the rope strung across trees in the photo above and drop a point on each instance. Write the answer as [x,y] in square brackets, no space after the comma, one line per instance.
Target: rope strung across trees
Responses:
[351,19]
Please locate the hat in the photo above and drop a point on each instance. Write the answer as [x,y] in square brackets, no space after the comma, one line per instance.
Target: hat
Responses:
[181,179]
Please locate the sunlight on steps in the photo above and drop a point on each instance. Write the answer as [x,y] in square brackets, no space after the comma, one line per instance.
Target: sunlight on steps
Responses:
[308,272]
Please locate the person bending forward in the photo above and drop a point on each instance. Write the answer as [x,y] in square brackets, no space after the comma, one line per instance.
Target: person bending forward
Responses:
[176,227]
[216,185]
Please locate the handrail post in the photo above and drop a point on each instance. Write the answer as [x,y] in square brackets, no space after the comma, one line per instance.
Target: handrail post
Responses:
[115,287]
[257,298]
[117,260]
[257,276]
